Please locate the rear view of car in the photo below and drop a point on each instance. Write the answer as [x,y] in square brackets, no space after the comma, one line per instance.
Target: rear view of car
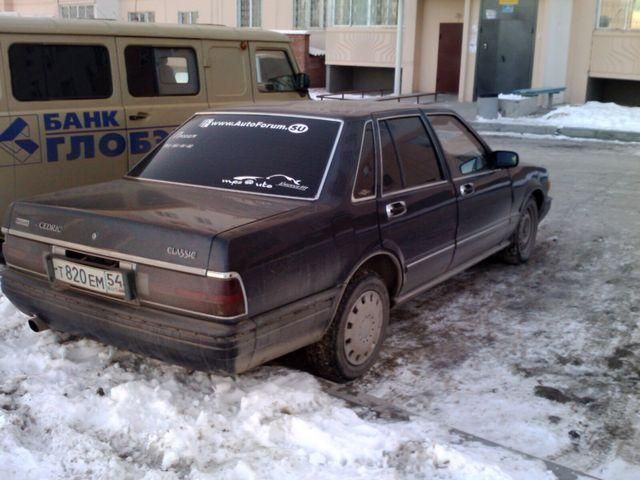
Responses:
[152,262]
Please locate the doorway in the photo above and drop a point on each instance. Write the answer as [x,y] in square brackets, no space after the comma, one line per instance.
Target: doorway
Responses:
[449,55]
[506,42]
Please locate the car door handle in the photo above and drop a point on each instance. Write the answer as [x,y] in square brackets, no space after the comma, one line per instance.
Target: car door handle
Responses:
[396,209]
[467,189]
[138,116]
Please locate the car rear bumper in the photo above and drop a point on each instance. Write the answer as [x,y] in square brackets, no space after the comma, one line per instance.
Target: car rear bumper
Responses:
[225,346]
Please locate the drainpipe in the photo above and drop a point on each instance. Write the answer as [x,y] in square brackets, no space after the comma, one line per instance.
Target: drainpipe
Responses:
[397,81]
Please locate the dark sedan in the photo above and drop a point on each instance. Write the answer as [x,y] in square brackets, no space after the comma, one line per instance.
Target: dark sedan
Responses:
[254,232]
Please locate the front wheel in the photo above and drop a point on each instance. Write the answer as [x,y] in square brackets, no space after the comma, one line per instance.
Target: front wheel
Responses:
[352,343]
[524,237]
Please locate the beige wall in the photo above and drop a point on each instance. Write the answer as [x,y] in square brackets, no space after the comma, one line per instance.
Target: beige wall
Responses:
[471,19]
[431,13]
[553,33]
[361,46]
[616,54]
[583,20]
[36,8]
[276,14]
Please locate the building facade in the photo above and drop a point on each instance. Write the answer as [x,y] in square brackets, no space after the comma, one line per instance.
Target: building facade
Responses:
[466,47]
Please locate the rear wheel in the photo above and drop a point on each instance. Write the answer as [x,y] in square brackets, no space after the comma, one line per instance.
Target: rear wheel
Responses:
[523,239]
[352,343]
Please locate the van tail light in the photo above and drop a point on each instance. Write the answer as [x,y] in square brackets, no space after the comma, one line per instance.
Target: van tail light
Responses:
[221,297]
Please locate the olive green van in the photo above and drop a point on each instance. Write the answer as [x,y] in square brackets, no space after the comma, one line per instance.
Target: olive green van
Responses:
[82,101]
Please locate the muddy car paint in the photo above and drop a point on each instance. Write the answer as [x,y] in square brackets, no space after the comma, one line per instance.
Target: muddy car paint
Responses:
[295,258]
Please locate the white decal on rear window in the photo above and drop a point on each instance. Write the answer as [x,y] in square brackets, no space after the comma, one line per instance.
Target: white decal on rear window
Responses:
[294,128]
[276,180]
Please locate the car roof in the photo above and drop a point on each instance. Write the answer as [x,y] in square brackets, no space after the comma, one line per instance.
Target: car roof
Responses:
[347,109]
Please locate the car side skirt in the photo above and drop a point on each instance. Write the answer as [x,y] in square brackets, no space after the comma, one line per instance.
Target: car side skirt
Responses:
[447,275]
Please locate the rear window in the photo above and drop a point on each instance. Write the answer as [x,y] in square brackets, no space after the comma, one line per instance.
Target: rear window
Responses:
[264,154]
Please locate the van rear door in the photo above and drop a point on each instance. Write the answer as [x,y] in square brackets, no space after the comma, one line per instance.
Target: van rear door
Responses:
[228,72]
[163,85]
[67,123]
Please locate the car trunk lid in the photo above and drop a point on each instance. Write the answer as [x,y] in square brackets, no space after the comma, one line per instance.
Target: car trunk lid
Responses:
[175,224]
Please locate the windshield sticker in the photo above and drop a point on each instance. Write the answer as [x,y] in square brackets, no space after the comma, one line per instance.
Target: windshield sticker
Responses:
[277,180]
[295,128]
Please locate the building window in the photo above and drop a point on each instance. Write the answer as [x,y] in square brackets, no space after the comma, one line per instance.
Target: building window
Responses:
[309,14]
[144,17]
[365,12]
[77,11]
[159,71]
[249,13]
[187,17]
[619,14]
[59,72]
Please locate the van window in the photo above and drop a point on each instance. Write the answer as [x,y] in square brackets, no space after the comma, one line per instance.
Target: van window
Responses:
[274,71]
[59,72]
[157,72]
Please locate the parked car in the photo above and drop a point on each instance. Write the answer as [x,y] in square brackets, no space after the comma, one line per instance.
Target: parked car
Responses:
[257,231]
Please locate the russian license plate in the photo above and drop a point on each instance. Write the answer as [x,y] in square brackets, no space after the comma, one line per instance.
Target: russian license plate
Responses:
[110,282]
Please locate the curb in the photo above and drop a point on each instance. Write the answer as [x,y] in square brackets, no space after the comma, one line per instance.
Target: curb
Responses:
[590,133]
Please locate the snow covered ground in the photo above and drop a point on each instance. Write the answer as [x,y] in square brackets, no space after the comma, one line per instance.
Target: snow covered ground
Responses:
[543,358]
[592,115]
[73,408]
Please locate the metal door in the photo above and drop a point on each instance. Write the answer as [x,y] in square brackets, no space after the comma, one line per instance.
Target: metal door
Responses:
[506,42]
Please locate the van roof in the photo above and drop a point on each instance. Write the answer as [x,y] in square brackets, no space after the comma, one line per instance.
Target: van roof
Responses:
[54,26]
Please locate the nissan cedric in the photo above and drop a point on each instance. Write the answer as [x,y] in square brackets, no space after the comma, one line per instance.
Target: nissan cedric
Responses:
[254,232]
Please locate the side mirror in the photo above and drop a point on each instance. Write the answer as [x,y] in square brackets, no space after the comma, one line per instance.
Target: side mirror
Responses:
[505,159]
[301,81]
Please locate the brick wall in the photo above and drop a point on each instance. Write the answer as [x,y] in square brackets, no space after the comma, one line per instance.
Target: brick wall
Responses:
[312,65]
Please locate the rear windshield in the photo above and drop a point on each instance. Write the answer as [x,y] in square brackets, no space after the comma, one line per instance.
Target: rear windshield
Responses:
[265,154]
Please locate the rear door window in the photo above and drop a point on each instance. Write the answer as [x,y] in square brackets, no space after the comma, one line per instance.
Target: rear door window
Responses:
[157,72]
[365,185]
[409,159]
[59,72]
[262,154]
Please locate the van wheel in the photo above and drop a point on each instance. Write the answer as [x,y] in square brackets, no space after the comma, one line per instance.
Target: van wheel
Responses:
[353,341]
[524,237]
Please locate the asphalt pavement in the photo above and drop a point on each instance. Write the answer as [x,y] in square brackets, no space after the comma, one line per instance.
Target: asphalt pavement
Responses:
[545,357]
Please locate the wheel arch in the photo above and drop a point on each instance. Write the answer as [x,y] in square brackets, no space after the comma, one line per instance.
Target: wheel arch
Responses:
[385,264]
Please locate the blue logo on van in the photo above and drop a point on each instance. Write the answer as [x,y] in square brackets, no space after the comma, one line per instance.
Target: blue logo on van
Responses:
[16,141]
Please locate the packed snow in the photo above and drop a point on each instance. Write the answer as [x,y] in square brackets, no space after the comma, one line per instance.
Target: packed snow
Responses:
[510,96]
[592,115]
[73,408]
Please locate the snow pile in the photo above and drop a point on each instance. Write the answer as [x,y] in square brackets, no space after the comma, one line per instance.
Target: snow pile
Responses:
[76,409]
[510,96]
[592,115]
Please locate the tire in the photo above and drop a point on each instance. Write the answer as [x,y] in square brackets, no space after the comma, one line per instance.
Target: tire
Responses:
[523,239]
[352,344]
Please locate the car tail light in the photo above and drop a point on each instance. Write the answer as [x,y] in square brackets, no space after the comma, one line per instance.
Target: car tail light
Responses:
[221,297]
[25,254]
